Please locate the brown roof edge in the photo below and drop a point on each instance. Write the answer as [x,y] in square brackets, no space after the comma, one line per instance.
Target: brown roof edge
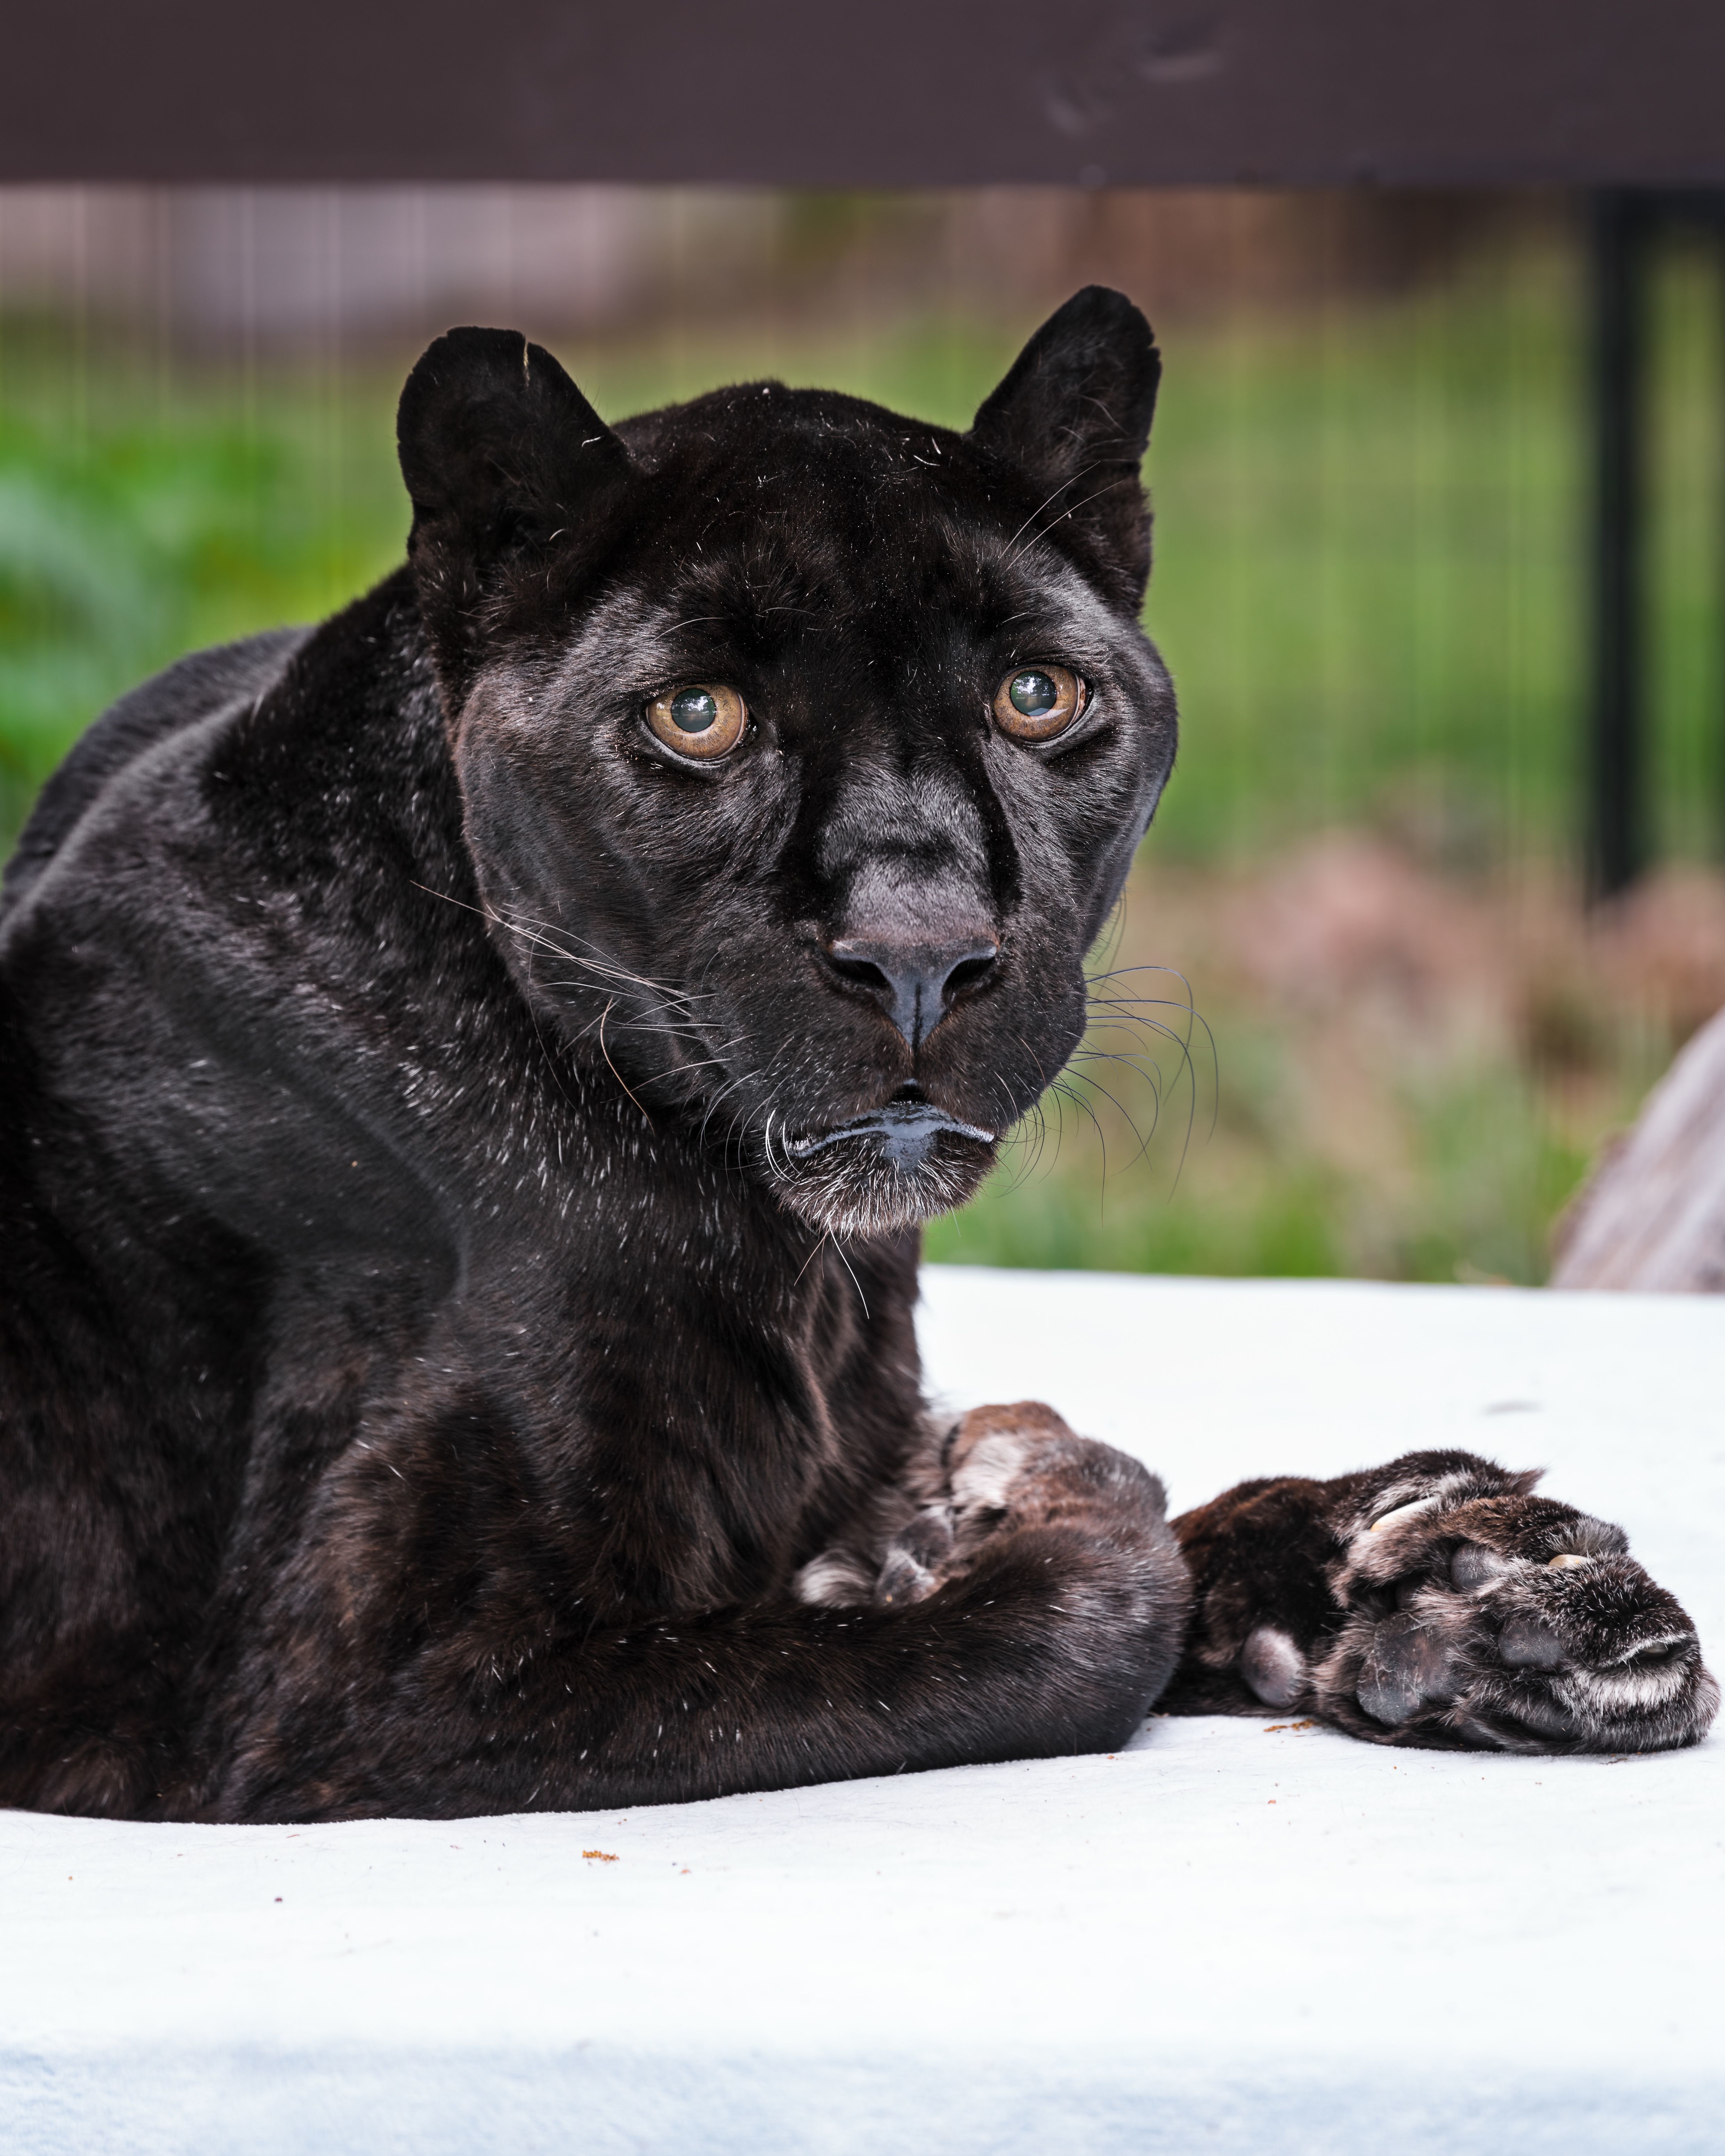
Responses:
[871,94]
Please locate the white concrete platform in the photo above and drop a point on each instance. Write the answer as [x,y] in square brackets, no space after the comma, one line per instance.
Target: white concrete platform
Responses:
[1232,1937]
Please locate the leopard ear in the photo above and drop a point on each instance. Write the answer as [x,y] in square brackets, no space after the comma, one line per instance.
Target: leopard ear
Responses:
[499,448]
[1074,416]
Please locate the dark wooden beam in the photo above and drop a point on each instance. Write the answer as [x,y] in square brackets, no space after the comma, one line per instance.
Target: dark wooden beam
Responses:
[898,93]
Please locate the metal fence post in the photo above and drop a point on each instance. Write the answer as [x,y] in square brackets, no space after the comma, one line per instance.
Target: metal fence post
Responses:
[1618,221]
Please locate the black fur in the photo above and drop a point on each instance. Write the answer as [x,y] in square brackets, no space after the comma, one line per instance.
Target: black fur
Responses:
[428,1357]
[1435,1602]
[462,1183]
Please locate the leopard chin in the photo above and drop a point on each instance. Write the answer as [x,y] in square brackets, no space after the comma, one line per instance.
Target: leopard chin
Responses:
[879,1172]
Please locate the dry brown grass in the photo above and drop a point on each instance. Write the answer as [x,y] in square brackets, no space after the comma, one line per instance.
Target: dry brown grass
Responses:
[1411,1072]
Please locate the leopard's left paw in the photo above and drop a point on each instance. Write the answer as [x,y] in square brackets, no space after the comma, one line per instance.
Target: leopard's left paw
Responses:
[1480,1615]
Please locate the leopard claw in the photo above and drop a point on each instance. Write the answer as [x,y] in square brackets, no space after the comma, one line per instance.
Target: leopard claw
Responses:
[914,1558]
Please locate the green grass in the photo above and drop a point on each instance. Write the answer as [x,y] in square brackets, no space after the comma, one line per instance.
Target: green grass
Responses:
[1470,1160]
[1369,531]
[143,514]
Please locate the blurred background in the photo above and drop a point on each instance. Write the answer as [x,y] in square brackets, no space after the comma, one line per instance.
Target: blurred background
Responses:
[1353,1016]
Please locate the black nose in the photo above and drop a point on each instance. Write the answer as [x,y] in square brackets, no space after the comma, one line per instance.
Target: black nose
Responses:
[914,983]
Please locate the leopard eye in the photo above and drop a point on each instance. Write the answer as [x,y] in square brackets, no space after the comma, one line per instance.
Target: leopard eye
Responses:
[1035,703]
[705,721]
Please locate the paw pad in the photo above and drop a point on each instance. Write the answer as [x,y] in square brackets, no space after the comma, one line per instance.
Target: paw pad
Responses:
[1273,1666]
[1404,1666]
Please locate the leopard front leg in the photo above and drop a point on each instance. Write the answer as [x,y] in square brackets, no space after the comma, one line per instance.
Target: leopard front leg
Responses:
[1436,1602]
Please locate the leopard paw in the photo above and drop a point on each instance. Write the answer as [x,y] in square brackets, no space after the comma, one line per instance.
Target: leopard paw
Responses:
[1003,1470]
[1479,1615]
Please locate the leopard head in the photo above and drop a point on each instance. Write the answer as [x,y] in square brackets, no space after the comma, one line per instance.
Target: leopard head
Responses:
[803,748]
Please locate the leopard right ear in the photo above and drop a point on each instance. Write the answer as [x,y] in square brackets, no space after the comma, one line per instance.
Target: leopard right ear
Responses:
[500,450]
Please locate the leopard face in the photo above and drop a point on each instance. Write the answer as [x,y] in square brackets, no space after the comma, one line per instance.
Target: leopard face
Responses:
[803,748]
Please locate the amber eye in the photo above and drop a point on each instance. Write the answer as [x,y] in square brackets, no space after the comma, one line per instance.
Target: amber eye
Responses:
[1038,702]
[707,721]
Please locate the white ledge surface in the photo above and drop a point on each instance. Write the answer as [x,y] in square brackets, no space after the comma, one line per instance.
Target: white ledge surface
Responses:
[1231,1937]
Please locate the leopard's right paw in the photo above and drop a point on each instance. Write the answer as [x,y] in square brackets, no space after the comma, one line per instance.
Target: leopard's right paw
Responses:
[1004,1470]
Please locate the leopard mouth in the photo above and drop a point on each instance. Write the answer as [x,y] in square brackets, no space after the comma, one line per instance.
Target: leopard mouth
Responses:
[905,1132]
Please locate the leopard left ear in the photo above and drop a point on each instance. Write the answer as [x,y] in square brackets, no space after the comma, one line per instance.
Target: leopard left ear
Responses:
[1074,416]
